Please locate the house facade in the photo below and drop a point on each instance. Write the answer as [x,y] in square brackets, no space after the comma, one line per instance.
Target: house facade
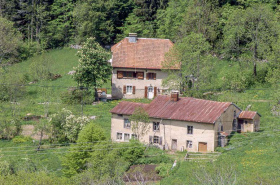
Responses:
[137,67]
[183,123]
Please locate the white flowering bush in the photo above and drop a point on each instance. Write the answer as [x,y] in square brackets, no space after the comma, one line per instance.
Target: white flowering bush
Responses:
[66,126]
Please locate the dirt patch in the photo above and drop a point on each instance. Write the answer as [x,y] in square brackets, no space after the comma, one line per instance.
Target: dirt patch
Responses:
[141,173]
[28,130]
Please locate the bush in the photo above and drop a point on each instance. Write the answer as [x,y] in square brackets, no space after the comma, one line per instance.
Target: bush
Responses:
[154,160]
[77,96]
[9,128]
[21,139]
[164,169]
[66,126]
[131,151]
[76,160]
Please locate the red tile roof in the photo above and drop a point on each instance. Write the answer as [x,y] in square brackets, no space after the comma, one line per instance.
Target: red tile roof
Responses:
[247,115]
[145,53]
[186,109]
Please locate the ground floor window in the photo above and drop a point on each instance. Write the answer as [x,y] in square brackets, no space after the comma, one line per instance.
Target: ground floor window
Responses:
[189,144]
[119,136]
[126,137]
[133,136]
[129,89]
[156,140]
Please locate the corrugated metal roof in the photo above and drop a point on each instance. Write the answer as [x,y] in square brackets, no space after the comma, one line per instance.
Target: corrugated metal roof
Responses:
[145,53]
[186,109]
[247,115]
[127,108]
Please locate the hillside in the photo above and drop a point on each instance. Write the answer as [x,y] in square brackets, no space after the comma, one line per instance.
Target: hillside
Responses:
[249,157]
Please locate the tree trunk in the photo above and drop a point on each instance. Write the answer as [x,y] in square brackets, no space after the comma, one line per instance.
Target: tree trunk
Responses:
[95,94]
[255,60]
[40,142]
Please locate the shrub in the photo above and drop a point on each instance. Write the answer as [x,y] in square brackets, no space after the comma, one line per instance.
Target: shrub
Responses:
[131,151]
[76,160]
[9,128]
[154,160]
[21,139]
[77,96]
[163,169]
[66,126]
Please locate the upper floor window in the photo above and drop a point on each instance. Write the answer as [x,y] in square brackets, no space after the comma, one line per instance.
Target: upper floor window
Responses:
[130,74]
[155,126]
[234,114]
[190,129]
[126,123]
[151,76]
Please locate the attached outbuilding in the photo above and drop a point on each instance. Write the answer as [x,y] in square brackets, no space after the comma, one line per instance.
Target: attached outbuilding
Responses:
[248,121]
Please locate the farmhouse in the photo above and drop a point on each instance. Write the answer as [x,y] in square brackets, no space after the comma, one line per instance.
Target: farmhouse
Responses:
[137,67]
[182,123]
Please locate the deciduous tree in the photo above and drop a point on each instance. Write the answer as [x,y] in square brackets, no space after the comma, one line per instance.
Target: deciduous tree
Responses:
[93,69]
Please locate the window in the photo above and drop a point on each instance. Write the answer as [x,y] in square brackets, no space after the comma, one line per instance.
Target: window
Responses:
[133,136]
[246,122]
[155,126]
[189,144]
[130,74]
[129,89]
[234,114]
[190,129]
[222,128]
[120,115]
[156,140]
[151,76]
[126,137]
[126,123]
[119,136]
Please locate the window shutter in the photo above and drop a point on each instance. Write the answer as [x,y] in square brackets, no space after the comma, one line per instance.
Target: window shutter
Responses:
[155,91]
[155,76]
[160,140]
[140,75]
[146,92]
[147,76]
[124,89]
[150,139]
[120,74]
[133,90]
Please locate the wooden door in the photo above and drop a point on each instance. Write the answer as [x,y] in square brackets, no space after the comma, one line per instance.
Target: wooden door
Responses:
[202,147]
[174,144]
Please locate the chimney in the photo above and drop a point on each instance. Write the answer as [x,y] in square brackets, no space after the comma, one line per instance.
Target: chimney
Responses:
[133,37]
[175,96]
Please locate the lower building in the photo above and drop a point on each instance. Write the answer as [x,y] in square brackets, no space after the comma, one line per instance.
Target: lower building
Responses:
[179,123]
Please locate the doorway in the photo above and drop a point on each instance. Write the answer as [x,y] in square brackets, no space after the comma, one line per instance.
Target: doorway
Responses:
[150,92]
[174,144]
[202,147]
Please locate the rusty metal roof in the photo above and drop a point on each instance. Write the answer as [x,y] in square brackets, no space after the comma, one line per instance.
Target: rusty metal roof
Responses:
[145,53]
[247,115]
[127,108]
[185,109]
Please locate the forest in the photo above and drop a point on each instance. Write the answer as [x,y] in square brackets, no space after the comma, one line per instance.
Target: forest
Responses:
[230,47]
